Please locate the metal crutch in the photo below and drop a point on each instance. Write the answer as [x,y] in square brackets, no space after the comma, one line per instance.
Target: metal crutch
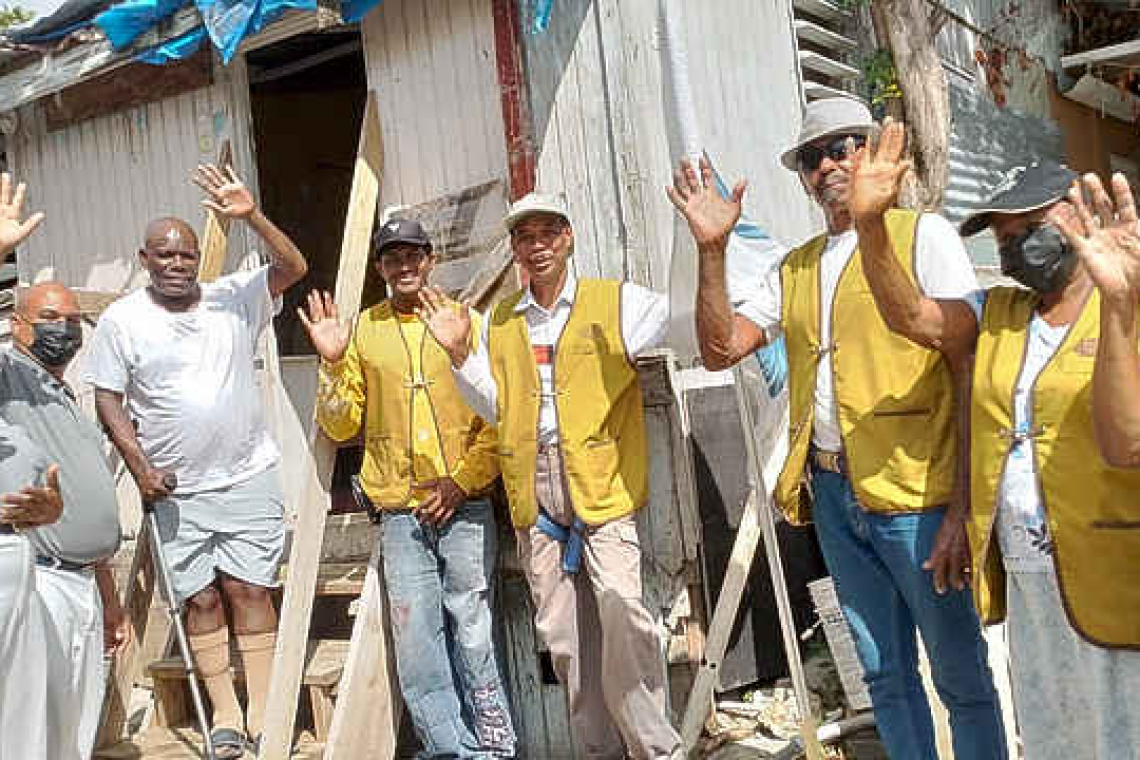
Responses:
[162,570]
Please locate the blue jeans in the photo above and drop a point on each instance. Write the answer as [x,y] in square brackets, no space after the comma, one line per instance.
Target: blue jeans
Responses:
[876,563]
[439,591]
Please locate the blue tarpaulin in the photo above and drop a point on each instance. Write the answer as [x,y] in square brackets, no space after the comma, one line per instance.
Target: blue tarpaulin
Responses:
[123,23]
[226,22]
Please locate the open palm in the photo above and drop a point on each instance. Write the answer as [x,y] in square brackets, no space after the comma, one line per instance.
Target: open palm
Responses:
[228,195]
[710,215]
[877,172]
[448,322]
[1109,242]
[12,230]
[329,335]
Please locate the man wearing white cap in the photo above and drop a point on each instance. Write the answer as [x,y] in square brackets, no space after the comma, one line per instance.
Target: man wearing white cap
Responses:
[555,371]
[872,438]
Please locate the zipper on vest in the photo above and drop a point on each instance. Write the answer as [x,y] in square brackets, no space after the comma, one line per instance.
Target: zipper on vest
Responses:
[554,396]
[1037,472]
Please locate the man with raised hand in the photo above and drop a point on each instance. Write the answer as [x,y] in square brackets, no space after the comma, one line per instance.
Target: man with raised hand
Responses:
[872,440]
[181,355]
[1052,529]
[427,457]
[555,372]
[73,580]
[73,556]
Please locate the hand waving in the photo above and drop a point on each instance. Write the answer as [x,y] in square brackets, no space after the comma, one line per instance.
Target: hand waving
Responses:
[330,336]
[1108,243]
[228,194]
[448,322]
[12,230]
[710,215]
[877,173]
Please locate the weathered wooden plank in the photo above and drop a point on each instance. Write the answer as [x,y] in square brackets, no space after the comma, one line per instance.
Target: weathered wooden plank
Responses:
[216,235]
[305,553]
[128,666]
[735,576]
[366,719]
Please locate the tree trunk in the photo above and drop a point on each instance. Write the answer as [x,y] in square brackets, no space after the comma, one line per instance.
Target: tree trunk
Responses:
[904,27]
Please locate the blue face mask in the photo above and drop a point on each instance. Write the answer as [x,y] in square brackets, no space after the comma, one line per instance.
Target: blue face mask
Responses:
[1041,259]
[56,343]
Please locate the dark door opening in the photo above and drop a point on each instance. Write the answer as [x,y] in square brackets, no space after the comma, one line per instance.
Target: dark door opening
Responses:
[307,98]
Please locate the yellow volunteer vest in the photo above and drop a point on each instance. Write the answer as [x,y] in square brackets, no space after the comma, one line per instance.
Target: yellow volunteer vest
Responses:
[601,422]
[895,398]
[1093,510]
[387,366]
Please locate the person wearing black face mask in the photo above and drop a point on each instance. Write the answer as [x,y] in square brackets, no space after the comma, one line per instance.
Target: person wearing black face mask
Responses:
[73,577]
[1051,525]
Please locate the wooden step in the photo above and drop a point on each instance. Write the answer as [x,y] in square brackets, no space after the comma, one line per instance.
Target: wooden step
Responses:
[324,664]
[336,578]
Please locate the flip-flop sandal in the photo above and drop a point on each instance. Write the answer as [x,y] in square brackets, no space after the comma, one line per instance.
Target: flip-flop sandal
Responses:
[254,746]
[229,743]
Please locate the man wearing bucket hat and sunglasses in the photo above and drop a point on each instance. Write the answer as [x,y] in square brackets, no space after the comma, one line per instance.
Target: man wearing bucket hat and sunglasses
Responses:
[873,432]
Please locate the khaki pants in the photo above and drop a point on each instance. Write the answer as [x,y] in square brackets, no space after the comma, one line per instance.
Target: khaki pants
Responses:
[602,640]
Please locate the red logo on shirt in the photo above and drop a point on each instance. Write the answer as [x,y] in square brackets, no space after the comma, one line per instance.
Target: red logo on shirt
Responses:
[544,354]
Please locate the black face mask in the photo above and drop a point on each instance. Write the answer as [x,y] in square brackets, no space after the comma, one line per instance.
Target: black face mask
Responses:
[56,343]
[1041,259]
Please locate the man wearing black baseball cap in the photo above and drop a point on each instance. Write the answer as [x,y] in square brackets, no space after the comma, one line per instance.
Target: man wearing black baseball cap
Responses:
[1051,525]
[427,457]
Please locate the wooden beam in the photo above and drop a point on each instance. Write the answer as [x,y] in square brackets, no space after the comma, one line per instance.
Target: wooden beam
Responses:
[308,531]
[731,590]
[215,237]
[518,125]
[366,720]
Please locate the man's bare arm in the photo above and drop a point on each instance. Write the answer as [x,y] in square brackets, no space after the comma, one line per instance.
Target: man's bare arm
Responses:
[230,197]
[114,418]
[724,336]
[1109,246]
[948,326]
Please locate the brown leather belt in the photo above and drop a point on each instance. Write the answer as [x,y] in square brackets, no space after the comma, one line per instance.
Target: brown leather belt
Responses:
[831,461]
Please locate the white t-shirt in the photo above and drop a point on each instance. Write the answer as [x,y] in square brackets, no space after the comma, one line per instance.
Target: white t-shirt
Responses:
[189,379]
[943,270]
[1022,530]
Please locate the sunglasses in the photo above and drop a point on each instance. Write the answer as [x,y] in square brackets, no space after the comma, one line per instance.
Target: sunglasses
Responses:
[810,157]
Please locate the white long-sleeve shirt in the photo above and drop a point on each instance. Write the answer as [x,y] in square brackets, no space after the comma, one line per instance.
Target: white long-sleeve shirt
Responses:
[644,320]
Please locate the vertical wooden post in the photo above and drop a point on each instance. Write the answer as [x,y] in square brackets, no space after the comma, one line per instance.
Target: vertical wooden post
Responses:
[308,531]
[366,720]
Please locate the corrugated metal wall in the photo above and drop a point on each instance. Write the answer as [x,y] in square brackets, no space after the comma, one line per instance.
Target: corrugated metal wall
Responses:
[101,181]
[987,140]
[602,129]
[432,64]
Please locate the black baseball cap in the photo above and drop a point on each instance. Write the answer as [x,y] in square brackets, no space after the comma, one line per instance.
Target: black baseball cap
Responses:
[1026,188]
[398,230]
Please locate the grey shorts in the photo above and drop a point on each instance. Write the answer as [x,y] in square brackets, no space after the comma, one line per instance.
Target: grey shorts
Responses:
[238,530]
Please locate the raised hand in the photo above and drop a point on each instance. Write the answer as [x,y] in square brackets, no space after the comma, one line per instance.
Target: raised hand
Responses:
[710,215]
[449,323]
[12,230]
[877,173]
[1108,243]
[228,195]
[329,335]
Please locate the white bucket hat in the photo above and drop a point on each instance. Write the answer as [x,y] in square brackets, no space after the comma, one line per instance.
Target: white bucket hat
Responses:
[830,116]
[535,203]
